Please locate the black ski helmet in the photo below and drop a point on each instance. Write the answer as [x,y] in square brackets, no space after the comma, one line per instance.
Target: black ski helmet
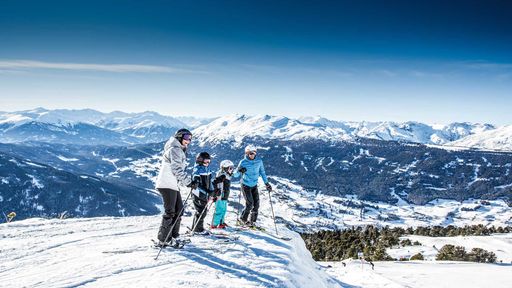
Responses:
[182,132]
[202,156]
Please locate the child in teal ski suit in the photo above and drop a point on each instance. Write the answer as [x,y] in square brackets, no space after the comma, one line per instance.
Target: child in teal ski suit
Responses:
[223,183]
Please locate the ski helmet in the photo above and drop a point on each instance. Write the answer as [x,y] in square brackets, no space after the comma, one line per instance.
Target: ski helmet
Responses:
[225,164]
[250,148]
[201,157]
[181,133]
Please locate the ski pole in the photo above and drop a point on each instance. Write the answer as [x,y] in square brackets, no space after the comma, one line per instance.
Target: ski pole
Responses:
[175,221]
[272,207]
[206,208]
[239,195]
[213,215]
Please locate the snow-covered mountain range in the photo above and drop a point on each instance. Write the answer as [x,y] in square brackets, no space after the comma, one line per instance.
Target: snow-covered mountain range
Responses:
[114,128]
[120,128]
[406,131]
[322,156]
[499,138]
[233,128]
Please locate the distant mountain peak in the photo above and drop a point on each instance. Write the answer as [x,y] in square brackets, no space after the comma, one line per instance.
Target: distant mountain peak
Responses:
[150,126]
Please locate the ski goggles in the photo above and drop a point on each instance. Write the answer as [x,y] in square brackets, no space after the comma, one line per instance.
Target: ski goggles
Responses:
[252,153]
[187,137]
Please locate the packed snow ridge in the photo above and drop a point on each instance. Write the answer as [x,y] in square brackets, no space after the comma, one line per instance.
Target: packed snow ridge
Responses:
[118,252]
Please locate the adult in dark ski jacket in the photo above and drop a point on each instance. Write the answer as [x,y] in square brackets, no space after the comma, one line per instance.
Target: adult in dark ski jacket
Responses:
[251,168]
[172,175]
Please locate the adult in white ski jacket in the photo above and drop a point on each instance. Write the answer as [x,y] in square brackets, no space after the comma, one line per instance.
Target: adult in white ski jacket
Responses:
[174,163]
[172,175]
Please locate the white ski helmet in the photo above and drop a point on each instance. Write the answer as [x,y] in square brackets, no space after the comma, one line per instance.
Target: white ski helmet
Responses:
[226,164]
[250,148]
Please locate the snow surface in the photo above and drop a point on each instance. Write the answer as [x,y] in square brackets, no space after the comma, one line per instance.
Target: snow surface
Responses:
[65,159]
[117,252]
[421,274]
[500,244]
[497,139]
[310,212]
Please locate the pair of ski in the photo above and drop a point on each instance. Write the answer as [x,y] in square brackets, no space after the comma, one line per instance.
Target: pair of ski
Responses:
[220,237]
[217,233]
[173,244]
[243,227]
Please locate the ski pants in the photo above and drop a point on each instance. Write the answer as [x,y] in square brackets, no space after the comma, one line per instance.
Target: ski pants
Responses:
[220,211]
[172,206]
[252,203]
[200,205]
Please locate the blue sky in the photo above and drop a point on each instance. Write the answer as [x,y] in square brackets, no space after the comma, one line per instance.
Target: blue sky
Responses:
[428,61]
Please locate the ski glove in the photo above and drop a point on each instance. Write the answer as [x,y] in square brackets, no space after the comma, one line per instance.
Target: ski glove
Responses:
[242,169]
[212,195]
[193,185]
[219,179]
[269,187]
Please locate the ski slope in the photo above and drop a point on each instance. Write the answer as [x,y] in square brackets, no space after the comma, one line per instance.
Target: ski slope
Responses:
[420,274]
[500,244]
[117,252]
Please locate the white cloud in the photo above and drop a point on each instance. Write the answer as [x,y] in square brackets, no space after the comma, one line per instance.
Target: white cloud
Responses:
[487,65]
[116,68]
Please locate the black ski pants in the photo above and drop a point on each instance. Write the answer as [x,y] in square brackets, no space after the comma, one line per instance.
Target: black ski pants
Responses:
[200,205]
[252,203]
[172,206]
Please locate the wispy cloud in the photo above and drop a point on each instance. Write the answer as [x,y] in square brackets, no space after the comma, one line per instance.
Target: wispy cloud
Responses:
[386,72]
[115,68]
[272,69]
[11,72]
[486,65]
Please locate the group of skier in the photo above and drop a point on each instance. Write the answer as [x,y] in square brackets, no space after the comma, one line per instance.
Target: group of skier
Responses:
[207,187]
